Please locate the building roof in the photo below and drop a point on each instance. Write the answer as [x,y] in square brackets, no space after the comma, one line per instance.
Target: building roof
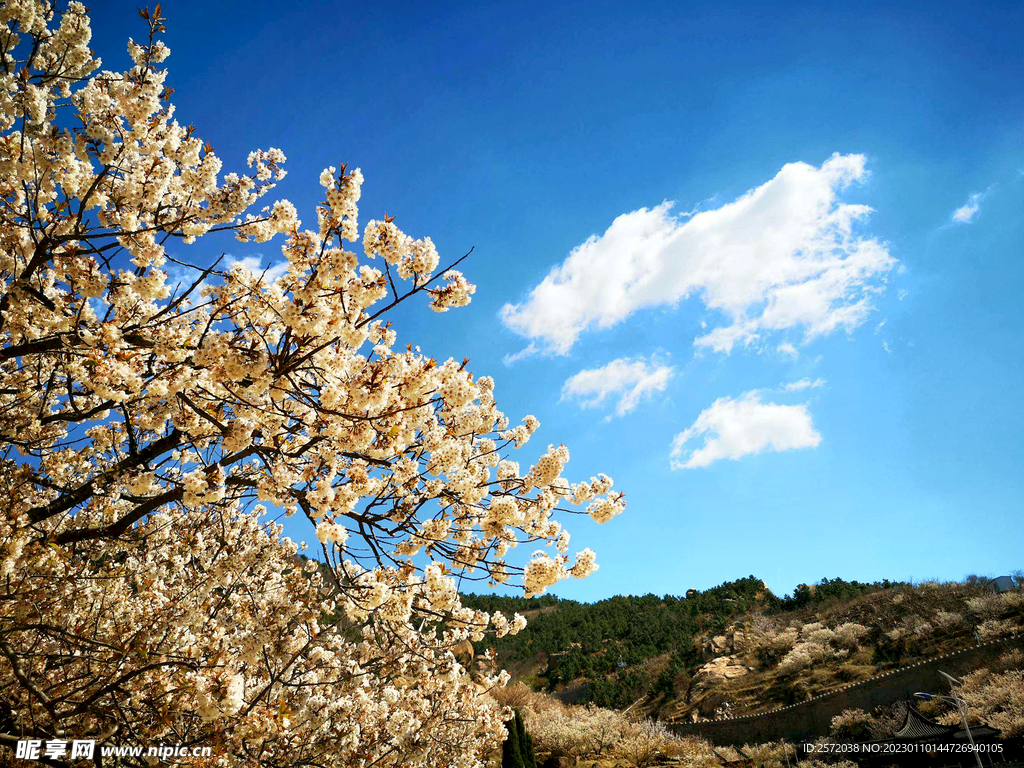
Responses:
[1001,584]
[917,726]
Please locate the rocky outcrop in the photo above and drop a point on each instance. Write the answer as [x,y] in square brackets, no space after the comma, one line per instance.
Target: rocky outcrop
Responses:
[716,646]
[733,641]
[703,697]
[719,669]
[738,641]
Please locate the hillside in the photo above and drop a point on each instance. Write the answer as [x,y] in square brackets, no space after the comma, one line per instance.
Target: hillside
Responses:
[613,651]
[737,648]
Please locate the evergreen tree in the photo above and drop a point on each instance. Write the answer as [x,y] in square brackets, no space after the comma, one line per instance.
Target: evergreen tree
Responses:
[529,758]
[511,757]
[517,749]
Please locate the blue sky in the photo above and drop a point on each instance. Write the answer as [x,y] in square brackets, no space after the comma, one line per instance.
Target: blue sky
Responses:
[843,386]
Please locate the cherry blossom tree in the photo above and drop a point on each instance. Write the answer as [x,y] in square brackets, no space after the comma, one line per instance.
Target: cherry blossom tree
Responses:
[155,429]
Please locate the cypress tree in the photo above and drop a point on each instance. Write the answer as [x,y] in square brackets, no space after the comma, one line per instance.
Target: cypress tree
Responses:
[511,756]
[517,749]
[529,757]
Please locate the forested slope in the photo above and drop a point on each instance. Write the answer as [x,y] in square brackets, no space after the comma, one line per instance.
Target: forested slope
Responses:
[737,646]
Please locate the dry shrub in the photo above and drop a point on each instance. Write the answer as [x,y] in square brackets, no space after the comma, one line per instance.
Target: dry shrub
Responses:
[774,754]
[692,752]
[515,695]
[1014,600]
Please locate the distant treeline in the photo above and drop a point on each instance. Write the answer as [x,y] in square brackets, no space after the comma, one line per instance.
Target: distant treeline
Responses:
[828,590]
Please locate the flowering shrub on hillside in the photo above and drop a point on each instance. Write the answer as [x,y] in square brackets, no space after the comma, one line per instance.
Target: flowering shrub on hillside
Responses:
[852,725]
[818,644]
[643,742]
[995,695]
[850,634]
[576,733]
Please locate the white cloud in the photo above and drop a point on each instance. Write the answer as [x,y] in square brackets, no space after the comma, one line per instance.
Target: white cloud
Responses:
[782,256]
[270,274]
[966,212]
[902,294]
[179,278]
[514,357]
[796,386]
[252,263]
[733,428]
[887,346]
[788,349]
[631,380]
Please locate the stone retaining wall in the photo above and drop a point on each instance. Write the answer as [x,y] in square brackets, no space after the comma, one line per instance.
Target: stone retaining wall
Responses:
[810,719]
